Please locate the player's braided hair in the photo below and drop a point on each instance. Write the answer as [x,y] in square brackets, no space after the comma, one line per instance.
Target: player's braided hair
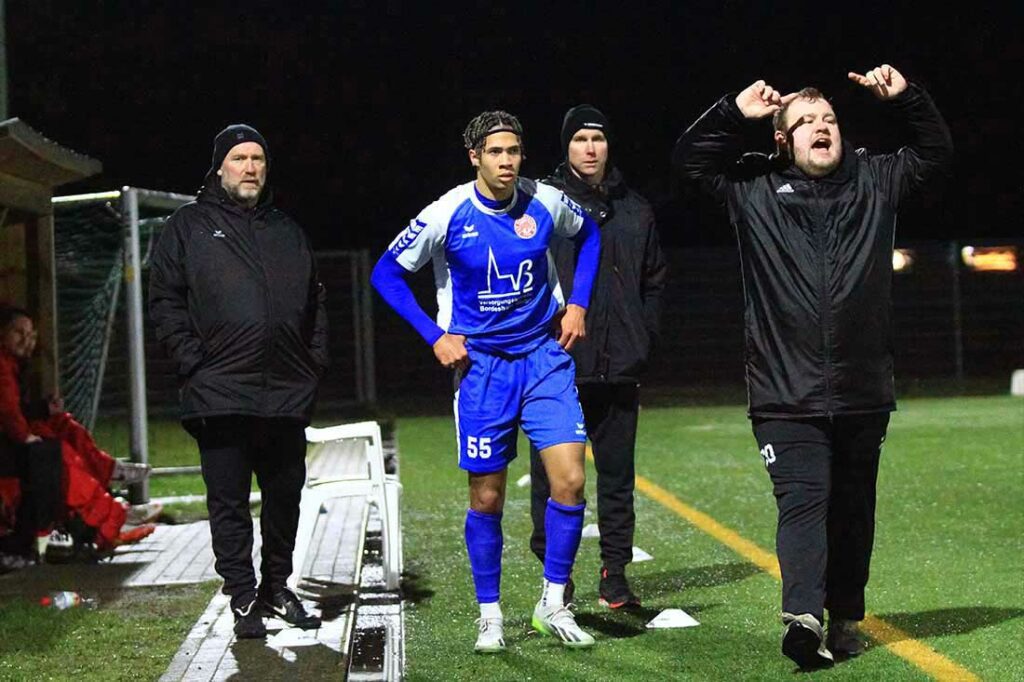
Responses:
[490,122]
[809,94]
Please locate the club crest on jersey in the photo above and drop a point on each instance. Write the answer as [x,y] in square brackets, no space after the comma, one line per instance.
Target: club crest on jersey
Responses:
[526,226]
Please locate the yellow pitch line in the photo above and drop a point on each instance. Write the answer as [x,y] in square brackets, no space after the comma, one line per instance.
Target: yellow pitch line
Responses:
[895,640]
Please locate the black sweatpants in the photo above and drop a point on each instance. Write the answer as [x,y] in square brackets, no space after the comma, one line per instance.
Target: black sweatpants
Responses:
[610,411]
[232,449]
[39,468]
[824,471]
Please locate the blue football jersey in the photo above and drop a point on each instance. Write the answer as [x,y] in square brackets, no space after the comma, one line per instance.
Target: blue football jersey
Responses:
[496,280]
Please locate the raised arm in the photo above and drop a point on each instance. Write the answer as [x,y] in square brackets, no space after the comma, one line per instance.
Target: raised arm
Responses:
[711,149]
[929,152]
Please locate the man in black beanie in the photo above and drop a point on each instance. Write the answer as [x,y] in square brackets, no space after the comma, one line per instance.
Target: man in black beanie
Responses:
[236,302]
[622,323]
[233,149]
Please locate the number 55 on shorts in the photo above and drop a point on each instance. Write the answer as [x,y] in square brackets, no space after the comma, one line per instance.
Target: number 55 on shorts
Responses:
[478,447]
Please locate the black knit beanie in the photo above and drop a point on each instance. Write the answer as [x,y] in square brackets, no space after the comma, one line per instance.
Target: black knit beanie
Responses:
[234,134]
[583,116]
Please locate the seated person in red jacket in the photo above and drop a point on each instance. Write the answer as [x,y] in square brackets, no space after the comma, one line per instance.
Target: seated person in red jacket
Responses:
[88,470]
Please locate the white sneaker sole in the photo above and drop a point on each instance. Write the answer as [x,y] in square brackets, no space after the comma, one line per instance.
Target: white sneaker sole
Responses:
[566,637]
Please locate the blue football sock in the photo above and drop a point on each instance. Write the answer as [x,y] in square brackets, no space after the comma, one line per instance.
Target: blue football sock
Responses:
[484,542]
[563,526]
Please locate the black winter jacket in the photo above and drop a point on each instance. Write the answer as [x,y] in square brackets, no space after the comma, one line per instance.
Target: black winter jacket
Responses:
[236,301]
[816,256]
[625,304]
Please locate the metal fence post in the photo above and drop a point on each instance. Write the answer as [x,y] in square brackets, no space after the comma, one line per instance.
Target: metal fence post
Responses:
[139,448]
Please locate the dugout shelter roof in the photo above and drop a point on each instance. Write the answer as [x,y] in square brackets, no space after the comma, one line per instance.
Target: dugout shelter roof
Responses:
[31,165]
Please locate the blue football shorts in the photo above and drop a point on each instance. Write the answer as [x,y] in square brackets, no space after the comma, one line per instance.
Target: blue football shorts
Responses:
[498,394]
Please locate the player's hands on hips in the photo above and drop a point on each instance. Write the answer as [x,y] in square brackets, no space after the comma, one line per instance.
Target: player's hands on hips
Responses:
[450,351]
[571,326]
[883,81]
[759,100]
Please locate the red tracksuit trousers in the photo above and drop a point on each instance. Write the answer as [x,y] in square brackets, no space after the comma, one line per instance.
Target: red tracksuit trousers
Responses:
[87,472]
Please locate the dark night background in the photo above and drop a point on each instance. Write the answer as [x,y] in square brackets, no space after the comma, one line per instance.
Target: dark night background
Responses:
[363,103]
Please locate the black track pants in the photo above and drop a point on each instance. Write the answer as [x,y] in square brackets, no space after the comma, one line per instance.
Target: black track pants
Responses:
[824,473]
[610,411]
[232,449]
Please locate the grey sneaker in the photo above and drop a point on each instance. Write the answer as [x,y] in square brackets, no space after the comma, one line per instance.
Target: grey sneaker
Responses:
[844,638]
[490,637]
[803,641]
[130,472]
[141,514]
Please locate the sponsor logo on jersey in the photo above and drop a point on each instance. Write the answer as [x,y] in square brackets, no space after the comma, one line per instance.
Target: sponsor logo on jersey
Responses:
[785,189]
[219,234]
[505,291]
[470,231]
[408,236]
[526,226]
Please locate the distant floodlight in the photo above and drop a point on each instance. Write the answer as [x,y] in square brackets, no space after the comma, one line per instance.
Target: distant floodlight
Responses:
[902,260]
[990,258]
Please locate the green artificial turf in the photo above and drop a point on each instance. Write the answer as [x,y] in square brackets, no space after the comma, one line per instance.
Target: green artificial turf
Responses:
[131,635]
[947,567]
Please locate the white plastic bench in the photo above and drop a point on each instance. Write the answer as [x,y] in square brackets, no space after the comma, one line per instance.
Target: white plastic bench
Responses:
[382,490]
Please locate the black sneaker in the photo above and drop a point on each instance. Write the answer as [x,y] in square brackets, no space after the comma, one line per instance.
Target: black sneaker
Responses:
[614,591]
[844,639]
[802,641]
[285,605]
[249,621]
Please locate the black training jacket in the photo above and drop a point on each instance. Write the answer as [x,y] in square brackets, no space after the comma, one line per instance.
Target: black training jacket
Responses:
[235,298]
[625,303]
[816,256]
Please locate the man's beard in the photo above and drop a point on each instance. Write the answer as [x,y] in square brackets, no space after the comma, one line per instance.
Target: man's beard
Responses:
[236,194]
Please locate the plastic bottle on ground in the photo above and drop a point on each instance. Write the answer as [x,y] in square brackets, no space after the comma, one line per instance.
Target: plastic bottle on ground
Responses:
[65,600]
